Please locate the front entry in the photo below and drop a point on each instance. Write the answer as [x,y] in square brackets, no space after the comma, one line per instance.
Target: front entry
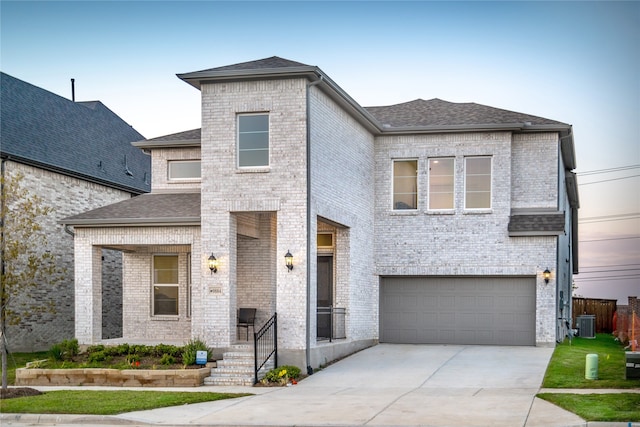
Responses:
[324,295]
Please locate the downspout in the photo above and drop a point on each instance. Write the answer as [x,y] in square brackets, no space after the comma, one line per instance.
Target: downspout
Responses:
[308,328]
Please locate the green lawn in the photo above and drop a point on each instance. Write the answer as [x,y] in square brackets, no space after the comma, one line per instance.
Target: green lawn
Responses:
[105,402]
[567,368]
[623,407]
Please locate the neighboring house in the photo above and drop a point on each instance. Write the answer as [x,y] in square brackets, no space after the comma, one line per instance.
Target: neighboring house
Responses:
[75,156]
[422,222]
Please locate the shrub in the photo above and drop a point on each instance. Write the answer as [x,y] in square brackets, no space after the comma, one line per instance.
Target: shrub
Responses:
[167,359]
[70,348]
[64,350]
[56,352]
[281,375]
[97,356]
[190,350]
[162,349]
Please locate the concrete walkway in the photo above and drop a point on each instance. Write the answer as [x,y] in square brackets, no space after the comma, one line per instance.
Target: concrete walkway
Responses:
[386,385]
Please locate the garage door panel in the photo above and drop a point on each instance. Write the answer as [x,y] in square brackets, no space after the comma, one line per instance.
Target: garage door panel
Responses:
[483,310]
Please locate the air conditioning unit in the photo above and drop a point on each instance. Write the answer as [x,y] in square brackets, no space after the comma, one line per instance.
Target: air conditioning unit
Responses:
[586,325]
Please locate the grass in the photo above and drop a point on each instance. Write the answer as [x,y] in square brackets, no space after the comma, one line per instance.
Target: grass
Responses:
[623,407]
[105,402]
[19,360]
[567,370]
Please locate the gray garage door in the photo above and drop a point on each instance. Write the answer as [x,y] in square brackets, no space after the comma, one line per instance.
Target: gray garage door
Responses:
[469,310]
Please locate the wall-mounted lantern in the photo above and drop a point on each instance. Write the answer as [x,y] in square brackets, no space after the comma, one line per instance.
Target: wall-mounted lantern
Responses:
[213,264]
[546,275]
[288,259]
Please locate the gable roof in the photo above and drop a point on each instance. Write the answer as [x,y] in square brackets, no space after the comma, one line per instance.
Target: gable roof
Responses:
[81,139]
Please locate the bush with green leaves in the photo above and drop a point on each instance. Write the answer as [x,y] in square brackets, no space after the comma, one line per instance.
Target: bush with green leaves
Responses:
[281,375]
[64,350]
[190,350]
[167,359]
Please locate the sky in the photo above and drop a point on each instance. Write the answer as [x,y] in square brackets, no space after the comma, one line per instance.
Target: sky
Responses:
[575,62]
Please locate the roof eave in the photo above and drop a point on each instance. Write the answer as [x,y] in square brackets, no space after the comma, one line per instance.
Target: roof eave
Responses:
[510,127]
[131,222]
[183,143]
[196,78]
[311,73]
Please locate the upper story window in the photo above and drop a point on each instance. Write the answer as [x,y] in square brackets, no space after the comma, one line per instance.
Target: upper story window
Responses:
[183,169]
[477,183]
[165,285]
[253,140]
[405,184]
[441,183]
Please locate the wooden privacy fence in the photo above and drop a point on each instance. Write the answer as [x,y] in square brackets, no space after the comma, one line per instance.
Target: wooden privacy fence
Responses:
[603,309]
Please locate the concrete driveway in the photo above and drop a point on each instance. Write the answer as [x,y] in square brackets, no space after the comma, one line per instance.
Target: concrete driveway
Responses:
[399,385]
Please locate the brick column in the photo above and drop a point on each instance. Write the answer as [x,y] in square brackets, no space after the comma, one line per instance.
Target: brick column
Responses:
[88,292]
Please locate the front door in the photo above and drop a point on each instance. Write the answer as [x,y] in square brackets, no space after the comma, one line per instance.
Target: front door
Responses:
[324,295]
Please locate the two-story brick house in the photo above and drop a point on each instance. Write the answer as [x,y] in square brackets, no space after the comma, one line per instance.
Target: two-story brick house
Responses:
[422,222]
[74,156]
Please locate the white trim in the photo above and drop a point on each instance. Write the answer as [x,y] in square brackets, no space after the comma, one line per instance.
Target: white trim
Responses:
[410,159]
[253,168]
[191,178]
[464,194]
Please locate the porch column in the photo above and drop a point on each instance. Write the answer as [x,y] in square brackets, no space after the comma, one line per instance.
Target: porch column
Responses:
[88,292]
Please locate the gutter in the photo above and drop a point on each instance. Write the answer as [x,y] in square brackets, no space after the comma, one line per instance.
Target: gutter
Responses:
[308,154]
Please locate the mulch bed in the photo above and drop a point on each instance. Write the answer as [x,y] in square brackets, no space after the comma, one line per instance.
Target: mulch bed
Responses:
[12,392]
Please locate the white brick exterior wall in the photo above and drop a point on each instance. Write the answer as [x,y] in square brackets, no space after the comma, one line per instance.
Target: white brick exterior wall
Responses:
[251,217]
[466,243]
[67,196]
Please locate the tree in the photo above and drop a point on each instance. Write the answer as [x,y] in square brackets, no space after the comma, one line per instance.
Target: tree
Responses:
[25,262]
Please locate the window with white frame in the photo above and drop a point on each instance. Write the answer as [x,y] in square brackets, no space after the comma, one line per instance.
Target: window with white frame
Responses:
[183,169]
[405,184]
[441,183]
[477,183]
[253,140]
[165,285]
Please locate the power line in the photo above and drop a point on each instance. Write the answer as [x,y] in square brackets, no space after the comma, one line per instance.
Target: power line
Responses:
[606,240]
[599,171]
[611,271]
[605,279]
[607,180]
[615,217]
[613,265]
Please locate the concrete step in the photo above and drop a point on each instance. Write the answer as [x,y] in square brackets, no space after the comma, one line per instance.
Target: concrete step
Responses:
[220,381]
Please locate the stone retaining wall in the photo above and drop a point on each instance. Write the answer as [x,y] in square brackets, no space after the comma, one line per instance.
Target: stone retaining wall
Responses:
[113,377]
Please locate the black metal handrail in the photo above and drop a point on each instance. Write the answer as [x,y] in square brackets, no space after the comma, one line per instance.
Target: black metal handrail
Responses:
[265,345]
[331,323]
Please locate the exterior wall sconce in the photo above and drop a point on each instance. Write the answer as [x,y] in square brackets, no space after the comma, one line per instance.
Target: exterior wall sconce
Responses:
[288,259]
[213,264]
[546,275]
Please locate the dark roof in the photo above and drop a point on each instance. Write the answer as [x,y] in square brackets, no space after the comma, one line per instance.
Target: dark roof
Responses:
[537,224]
[436,112]
[187,138]
[266,63]
[146,209]
[81,139]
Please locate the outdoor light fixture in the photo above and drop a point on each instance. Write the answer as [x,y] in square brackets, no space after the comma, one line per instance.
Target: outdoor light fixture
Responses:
[288,259]
[546,275]
[213,264]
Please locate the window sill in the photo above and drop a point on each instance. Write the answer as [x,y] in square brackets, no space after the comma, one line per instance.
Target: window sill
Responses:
[165,318]
[442,212]
[407,212]
[185,181]
[265,169]
[477,211]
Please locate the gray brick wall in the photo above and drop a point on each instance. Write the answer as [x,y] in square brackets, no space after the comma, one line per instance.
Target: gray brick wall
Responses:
[67,196]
